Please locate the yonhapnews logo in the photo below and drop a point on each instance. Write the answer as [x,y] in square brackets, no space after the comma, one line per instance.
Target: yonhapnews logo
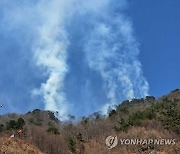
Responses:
[111,142]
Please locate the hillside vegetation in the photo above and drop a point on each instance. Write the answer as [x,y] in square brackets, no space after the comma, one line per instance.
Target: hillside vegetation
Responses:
[17,146]
[146,118]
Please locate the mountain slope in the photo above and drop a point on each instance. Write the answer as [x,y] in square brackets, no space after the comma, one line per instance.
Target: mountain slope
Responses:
[145,118]
[17,146]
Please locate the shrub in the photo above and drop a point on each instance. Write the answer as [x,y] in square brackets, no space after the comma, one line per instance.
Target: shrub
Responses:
[37,122]
[112,112]
[150,98]
[166,111]
[123,109]
[71,144]
[85,120]
[52,116]
[169,115]
[79,137]
[20,123]
[36,111]
[13,124]
[1,127]
[53,130]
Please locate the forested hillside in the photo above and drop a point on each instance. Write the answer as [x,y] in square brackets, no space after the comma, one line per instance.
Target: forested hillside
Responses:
[146,118]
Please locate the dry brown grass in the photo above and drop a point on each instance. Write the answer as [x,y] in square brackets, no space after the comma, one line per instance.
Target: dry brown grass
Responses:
[17,146]
[47,142]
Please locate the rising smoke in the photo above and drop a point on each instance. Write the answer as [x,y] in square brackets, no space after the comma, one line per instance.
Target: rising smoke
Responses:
[110,49]
[50,53]
[108,45]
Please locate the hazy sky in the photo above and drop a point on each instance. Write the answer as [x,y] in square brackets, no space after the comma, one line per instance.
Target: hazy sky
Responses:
[80,56]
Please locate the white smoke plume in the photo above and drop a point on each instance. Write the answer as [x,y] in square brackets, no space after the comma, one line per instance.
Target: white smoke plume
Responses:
[50,52]
[112,50]
[109,46]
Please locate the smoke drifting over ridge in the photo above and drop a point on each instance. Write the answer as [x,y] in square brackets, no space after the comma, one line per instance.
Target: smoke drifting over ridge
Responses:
[101,38]
[110,49]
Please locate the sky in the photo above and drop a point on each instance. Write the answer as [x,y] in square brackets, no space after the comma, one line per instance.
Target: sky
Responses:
[156,25]
[82,56]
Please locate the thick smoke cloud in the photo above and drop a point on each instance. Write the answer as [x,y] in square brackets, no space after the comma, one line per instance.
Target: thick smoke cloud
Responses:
[106,45]
[50,52]
[110,49]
